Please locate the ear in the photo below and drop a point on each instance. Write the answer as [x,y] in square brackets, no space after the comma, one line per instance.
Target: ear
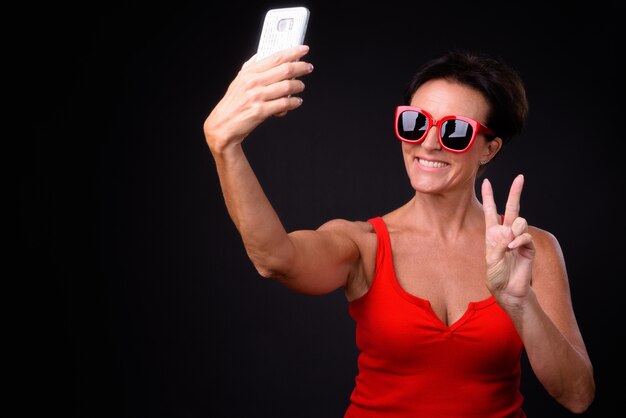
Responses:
[491,149]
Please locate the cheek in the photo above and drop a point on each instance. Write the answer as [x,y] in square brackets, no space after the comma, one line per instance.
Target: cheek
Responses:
[476,153]
[408,152]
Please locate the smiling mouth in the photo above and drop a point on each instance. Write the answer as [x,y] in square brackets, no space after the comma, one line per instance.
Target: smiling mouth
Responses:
[431,164]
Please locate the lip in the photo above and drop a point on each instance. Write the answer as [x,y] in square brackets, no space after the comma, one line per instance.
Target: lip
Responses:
[431,164]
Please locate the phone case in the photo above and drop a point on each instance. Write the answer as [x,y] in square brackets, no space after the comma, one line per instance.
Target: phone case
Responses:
[282,29]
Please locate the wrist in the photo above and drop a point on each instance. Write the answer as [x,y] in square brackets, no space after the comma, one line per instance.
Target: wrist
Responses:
[225,152]
[518,307]
[221,146]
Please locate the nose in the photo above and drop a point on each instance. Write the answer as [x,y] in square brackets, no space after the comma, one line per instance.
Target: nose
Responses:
[431,142]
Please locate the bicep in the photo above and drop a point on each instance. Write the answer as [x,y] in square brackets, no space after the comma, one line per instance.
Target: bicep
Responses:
[551,285]
[323,259]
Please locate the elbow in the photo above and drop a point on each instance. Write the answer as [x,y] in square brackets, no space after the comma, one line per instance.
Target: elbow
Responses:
[579,406]
[274,263]
[268,272]
[584,401]
[269,267]
[580,400]
[271,262]
[264,272]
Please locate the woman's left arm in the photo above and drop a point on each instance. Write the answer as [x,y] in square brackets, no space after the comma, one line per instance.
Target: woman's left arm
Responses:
[527,275]
[549,330]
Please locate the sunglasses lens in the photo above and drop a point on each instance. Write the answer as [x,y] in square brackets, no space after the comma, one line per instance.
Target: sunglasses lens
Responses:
[412,125]
[456,134]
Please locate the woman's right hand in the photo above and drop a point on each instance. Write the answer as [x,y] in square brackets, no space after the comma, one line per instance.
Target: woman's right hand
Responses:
[261,89]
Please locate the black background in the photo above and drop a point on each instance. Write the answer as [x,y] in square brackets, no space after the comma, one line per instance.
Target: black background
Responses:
[139,298]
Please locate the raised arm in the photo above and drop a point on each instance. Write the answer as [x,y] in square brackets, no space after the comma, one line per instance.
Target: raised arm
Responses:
[527,276]
[313,262]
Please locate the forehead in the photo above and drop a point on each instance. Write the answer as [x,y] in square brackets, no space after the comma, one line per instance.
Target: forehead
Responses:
[441,97]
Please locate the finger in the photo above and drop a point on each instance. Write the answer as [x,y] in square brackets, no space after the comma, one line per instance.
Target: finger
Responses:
[489,205]
[513,201]
[249,80]
[280,107]
[277,58]
[281,89]
[519,226]
[524,240]
[284,71]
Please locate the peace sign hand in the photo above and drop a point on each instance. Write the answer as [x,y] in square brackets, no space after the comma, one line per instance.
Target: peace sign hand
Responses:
[510,249]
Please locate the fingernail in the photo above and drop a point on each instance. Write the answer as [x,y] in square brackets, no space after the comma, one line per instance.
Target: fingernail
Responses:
[304,48]
[310,67]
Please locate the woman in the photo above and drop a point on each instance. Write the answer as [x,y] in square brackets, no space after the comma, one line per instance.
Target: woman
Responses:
[445,291]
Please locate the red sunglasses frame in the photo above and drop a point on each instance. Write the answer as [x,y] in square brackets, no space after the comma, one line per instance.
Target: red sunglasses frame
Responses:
[477,127]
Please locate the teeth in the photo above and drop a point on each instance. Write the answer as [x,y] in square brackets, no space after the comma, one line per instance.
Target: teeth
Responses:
[434,164]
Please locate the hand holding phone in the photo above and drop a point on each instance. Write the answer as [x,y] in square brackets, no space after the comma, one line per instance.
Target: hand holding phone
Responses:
[282,29]
[238,113]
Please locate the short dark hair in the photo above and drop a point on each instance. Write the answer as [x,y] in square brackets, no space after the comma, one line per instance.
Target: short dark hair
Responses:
[499,83]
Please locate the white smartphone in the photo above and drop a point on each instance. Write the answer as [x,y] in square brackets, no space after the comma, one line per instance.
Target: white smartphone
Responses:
[282,29]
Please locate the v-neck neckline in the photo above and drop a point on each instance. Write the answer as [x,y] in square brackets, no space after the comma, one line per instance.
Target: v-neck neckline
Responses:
[425,303]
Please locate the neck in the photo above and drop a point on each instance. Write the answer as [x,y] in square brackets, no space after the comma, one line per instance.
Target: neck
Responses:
[446,215]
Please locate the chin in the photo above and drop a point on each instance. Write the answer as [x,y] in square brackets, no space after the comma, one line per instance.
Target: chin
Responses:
[423,185]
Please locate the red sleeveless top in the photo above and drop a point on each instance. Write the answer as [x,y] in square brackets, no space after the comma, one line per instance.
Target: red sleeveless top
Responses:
[412,365]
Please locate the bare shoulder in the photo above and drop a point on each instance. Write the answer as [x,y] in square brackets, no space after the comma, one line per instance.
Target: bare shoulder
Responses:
[549,271]
[356,230]
[363,235]
[545,241]
[360,232]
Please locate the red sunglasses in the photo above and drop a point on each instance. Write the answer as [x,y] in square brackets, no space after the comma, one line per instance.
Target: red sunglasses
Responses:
[456,133]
